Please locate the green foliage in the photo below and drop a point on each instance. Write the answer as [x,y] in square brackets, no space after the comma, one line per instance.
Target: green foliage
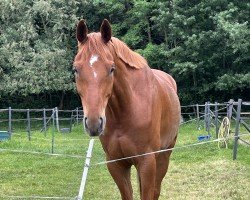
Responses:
[36,51]
[233,82]
[155,55]
[207,41]
[203,44]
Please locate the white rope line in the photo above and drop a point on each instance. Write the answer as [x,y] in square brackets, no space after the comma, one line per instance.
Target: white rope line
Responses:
[37,197]
[60,139]
[164,150]
[244,141]
[41,153]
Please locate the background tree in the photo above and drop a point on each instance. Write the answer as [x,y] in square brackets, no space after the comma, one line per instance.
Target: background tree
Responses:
[36,47]
[203,44]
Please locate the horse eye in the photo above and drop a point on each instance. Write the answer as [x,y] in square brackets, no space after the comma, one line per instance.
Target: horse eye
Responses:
[112,70]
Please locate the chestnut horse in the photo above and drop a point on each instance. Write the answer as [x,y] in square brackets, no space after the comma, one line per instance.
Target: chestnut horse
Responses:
[132,108]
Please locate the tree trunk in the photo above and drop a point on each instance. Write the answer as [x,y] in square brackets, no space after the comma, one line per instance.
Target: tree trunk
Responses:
[149,31]
[61,104]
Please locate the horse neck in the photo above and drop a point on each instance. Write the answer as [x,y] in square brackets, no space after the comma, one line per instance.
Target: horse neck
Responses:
[125,84]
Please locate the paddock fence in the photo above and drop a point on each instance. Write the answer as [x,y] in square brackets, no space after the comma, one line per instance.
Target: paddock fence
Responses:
[206,116]
[39,119]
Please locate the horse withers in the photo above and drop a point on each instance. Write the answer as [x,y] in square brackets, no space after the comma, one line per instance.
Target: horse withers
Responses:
[132,108]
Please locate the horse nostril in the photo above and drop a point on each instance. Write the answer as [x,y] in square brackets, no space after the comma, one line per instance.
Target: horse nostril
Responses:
[85,122]
[94,126]
[101,124]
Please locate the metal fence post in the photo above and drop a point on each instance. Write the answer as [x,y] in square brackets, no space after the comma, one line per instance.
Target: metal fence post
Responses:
[208,118]
[53,131]
[77,117]
[10,124]
[71,120]
[57,119]
[230,109]
[197,115]
[216,119]
[28,124]
[44,122]
[205,116]
[237,127]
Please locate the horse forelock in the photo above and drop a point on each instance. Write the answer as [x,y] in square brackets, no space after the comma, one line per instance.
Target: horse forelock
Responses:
[95,45]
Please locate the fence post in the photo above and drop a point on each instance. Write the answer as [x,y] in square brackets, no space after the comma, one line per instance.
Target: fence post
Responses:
[10,128]
[53,130]
[216,119]
[208,118]
[205,116]
[44,122]
[28,124]
[237,126]
[71,120]
[197,115]
[230,109]
[57,119]
[77,117]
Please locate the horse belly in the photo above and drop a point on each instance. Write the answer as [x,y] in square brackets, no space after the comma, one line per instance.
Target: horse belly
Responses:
[169,128]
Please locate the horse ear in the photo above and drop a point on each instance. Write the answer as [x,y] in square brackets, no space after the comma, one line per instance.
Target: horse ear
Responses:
[106,31]
[81,31]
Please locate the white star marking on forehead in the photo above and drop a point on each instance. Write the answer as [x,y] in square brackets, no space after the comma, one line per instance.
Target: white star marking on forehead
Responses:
[93,59]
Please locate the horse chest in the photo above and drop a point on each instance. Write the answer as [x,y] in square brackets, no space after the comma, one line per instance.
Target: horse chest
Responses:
[118,146]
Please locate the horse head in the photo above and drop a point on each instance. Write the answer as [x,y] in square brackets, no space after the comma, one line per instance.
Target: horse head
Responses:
[94,74]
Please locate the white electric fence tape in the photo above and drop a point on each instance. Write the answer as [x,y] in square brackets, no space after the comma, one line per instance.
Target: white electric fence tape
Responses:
[85,171]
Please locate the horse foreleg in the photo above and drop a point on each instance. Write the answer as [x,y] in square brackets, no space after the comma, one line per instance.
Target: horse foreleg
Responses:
[121,176]
[147,169]
[162,163]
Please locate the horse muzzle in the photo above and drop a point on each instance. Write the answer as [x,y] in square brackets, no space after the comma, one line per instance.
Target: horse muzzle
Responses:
[95,126]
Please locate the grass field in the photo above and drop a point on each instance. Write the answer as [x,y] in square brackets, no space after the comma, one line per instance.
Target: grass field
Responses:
[199,172]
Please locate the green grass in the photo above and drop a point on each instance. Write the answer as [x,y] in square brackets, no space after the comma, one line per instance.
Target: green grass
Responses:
[199,172]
